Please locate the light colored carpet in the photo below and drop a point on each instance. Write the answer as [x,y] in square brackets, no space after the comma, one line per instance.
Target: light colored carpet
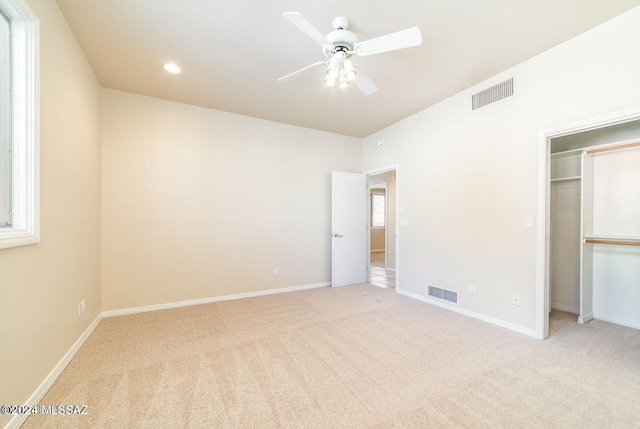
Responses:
[351,357]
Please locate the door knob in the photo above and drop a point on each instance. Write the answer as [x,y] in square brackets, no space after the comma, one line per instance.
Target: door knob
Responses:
[336,235]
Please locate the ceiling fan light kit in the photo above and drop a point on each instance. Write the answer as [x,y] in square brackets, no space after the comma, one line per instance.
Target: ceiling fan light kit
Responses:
[343,82]
[349,70]
[341,44]
[340,69]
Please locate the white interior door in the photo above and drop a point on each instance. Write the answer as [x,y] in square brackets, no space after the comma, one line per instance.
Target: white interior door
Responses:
[349,228]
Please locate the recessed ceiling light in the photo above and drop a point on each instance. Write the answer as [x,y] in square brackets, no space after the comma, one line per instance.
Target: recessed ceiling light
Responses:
[172,68]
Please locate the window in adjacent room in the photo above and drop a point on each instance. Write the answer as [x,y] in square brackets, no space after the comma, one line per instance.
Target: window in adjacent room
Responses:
[378,210]
[19,193]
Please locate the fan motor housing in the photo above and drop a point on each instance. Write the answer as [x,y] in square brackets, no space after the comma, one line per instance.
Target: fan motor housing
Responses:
[342,40]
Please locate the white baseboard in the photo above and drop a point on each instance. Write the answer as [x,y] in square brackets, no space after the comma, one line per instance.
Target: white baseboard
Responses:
[567,308]
[37,396]
[465,312]
[584,319]
[617,321]
[146,308]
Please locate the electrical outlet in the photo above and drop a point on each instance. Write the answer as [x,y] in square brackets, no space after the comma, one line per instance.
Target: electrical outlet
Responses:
[276,271]
[472,289]
[82,306]
[516,299]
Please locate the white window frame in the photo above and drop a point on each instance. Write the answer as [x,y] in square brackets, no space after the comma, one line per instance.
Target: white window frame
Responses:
[373,195]
[25,127]
[378,189]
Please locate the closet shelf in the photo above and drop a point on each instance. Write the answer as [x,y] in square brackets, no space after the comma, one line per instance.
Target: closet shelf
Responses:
[571,152]
[612,148]
[566,179]
[615,240]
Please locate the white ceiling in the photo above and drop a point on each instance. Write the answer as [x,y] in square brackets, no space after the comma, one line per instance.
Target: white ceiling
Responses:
[232,52]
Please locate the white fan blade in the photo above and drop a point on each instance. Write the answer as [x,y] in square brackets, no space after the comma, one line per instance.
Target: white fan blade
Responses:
[363,82]
[299,21]
[391,42]
[301,70]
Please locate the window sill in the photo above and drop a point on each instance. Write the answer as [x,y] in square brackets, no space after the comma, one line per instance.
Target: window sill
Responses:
[10,237]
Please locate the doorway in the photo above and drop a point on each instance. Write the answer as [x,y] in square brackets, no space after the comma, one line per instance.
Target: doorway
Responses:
[382,228]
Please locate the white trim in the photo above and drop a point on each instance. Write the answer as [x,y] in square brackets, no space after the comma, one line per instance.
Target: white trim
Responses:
[584,319]
[157,307]
[46,384]
[542,240]
[465,312]
[543,193]
[567,308]
[617,321]
[25,36]
[382,170]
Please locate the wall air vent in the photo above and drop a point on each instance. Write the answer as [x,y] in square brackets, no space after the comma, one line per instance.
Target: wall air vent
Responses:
[442,294]
[491,95]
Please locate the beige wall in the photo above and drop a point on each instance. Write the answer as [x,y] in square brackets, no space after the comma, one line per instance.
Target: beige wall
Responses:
[200,203]
[42,284]
[468,179]
[377,239]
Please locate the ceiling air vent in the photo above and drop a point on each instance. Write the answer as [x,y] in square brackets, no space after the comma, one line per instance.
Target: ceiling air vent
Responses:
[442,294]
[491,95]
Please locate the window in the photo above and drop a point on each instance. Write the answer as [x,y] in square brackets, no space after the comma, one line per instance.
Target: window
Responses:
[19,142]
[5,121]
[378,210]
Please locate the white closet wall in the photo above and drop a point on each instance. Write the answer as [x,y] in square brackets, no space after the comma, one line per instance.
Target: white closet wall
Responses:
[565,232]
[616,213]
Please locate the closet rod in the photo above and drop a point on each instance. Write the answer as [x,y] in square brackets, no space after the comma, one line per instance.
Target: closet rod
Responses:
[611,148]
[618,242]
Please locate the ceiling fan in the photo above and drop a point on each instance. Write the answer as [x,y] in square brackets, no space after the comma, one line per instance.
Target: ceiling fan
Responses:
[341,44]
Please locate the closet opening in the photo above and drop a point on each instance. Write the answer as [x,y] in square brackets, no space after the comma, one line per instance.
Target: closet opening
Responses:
[592,226]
